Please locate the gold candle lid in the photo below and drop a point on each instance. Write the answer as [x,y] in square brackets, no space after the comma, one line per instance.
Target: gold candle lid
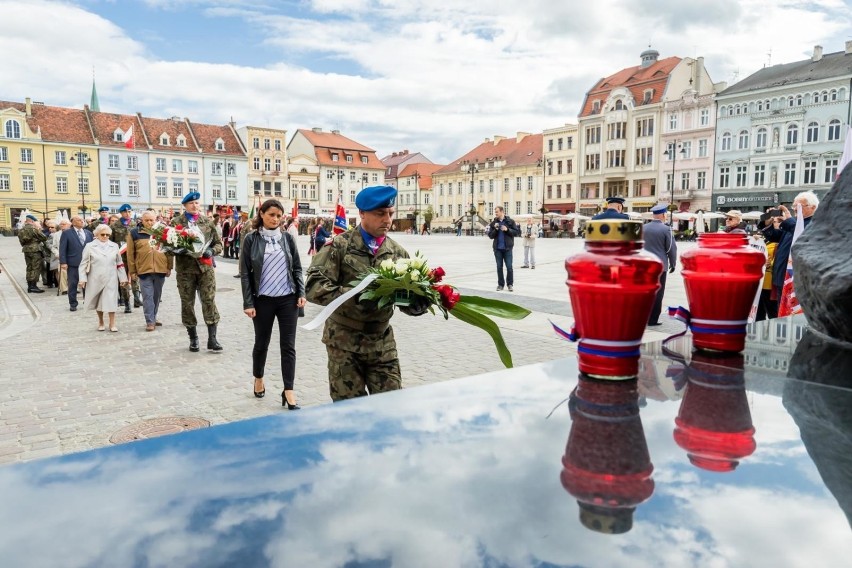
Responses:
[609,230]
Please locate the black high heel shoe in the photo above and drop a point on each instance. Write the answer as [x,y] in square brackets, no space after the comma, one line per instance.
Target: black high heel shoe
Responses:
[285,403]
[260,394]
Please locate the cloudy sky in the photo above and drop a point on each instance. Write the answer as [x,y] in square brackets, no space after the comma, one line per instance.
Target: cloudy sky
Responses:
[431,76]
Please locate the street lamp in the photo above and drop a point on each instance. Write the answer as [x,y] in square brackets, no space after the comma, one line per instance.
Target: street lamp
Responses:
[672,153]
[82,160]
[472,169]
[544,165]
[416,200]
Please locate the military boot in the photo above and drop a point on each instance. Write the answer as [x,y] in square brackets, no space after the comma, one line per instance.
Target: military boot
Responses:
[193,339]
[33,289]
[137,299]
[211,338]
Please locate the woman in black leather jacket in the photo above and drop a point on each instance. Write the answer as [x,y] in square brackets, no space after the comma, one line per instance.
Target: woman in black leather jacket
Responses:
[273,288]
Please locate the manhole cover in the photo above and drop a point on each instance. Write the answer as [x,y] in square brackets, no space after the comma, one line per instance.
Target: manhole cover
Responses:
[224,289]
[154,427]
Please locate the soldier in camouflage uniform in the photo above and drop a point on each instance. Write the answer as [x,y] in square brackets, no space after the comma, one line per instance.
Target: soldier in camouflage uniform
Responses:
[362,356]
[193,276]
[101,219]
[120,229]
[32,241]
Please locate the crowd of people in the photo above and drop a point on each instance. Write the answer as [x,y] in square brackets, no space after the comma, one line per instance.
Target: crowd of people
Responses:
[112,257]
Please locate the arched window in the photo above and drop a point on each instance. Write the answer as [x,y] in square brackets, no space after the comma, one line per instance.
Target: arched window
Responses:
[743,140]
[722,110]
[832,94]
[619,105]
[833,130]
[825,96]
[792,135]
[798,100]
[813,132]
[726,141]
[761,138]
[759,106]
[13,129]
[736,109]
[790,101]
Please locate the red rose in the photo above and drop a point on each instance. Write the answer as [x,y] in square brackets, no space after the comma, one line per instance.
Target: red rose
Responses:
[179,227]
[437,274]
[207,261]
[449,296]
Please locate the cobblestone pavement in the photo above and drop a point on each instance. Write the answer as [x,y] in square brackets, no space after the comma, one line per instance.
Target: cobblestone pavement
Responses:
[65,387]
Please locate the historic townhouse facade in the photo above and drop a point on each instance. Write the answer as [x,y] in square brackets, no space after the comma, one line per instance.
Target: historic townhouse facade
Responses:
[620,128]
[266,150]
[500,171]
[781,131]
[40,165]
[687,140]
[124,175]
[345,167]
[414,183]
[398,161]
[225,167]
[559,170]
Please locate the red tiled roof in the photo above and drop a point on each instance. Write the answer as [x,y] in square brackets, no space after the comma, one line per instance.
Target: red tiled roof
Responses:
[425,171]
[509,150]
[207,134]
[57,124]
[637,79]
[105,124]
[332,140]
[156,127]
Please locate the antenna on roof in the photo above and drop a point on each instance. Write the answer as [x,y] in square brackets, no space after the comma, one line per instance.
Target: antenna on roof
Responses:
[736,75]
[769,58]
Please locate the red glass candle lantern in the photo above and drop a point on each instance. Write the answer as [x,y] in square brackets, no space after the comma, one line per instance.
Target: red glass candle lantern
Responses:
[714,423]
[606,465]
[612,285]
[721,277]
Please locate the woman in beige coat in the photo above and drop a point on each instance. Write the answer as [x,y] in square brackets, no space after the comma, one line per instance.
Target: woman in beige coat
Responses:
[101,272]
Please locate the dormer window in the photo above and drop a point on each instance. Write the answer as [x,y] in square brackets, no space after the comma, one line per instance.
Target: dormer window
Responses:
[164,139]
[220,145]
[596,107]
[349,158]
[334,157]
[646,98]
[12,129]
[364,159]
[118,135]
[181,141]
[619,105]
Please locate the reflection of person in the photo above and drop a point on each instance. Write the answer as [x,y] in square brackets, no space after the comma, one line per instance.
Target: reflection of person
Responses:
[273,288]
[660,242]
[71,245]
[358,336]
[32,239]
[149,267]
[194,277]
[101,273]
[502,231]
[614,209]
[530,233]
[766,306]
[780,230]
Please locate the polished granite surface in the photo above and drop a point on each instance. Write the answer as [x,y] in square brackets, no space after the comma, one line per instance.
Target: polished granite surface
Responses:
[704,461]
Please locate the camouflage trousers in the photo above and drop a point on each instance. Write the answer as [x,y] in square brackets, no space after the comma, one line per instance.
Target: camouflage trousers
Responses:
[203,283]
[124,291]
[351,375]
[34,262]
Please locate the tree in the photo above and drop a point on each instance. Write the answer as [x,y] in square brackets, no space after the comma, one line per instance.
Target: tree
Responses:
[428,214]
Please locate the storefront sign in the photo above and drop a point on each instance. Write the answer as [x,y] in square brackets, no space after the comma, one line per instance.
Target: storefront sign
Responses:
[740,200]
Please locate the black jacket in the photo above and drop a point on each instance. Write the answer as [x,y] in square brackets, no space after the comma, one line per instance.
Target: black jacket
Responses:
[252,265]
[513,230]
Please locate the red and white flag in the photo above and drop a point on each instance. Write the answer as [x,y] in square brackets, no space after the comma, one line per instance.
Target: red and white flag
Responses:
[128,138]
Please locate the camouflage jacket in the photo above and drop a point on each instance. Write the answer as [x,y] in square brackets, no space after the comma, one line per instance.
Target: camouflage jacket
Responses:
[93,224]
[31,239]
[359,327]
[186,263]
[120,232]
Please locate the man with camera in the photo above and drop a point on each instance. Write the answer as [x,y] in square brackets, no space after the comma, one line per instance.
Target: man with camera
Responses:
[503,231]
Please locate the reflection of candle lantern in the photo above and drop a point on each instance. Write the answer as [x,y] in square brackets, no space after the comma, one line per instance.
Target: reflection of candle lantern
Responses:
[714,422]
[612,285]
[606,465]
[721,277]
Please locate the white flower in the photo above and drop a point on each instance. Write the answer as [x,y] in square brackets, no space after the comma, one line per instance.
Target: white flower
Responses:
[418,262]
[415,275]
[401,266]
[387,264]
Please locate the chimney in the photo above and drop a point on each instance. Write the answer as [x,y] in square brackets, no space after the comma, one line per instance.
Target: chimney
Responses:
[394,155]
[848,46]
[29,103]
[405,152]
[521,135]
[698,68]
[817,53]
[335,132]
[316,129]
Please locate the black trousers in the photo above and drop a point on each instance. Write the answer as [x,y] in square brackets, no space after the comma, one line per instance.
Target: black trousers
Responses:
[658,301]
[267,310]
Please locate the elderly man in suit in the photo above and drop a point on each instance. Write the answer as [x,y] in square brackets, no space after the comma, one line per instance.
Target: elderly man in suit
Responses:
[71,245]
[659,241]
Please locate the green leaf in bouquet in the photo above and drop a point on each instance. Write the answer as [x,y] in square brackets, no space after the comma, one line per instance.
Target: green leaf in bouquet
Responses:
[496,308]
[468,314]
[385,300]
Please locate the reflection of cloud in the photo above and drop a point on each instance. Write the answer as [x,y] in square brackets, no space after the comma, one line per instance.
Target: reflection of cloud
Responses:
[445,475]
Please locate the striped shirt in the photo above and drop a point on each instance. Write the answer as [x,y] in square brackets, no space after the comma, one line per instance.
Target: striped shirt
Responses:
[275,275]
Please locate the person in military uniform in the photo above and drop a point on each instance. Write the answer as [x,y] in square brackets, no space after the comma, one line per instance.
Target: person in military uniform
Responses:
[121,227]
[614,209]
[362,356]
[194,276]
[659,241]
[32,241]
[101,219]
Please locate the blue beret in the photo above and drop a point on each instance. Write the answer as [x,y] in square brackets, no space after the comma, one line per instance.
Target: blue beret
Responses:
[191,196]
[615,200]
[103,208]
[32,217]
[375,197]
[659,208]
[125,207]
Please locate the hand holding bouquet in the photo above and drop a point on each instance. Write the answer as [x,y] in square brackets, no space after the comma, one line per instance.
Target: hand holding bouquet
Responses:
[180,240]
[410,281]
